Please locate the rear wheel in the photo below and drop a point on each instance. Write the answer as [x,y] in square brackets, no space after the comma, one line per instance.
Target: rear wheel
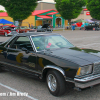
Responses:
[55,83]
[5,34]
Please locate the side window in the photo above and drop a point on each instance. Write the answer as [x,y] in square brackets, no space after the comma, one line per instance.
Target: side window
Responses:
[20,42]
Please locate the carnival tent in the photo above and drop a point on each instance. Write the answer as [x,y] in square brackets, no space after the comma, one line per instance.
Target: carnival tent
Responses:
[80,20]
[88,20]
[3,21]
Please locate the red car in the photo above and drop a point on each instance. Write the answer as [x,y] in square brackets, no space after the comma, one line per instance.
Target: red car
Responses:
[7,30]
[24,29]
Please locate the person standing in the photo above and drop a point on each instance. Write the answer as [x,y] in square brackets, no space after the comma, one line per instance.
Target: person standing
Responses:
[32,26]
[29,25]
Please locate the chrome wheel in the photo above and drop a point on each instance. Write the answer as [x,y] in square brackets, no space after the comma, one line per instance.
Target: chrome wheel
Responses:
[55,82]
[6,34]
[52,83]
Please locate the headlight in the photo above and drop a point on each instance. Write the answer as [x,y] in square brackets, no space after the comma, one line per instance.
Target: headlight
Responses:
[84,70]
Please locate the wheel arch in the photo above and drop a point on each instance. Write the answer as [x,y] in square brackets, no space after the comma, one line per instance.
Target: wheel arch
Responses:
[50,67]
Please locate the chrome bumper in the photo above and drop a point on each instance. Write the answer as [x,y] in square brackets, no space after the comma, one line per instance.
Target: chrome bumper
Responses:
[87,81]
[13,33]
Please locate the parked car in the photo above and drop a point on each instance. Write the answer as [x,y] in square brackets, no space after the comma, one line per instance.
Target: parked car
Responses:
[45,28]
[91,26]
[52,57]
[6,30]
[24,29]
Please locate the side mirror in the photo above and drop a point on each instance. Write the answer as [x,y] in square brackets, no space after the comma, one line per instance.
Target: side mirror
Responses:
[25,49]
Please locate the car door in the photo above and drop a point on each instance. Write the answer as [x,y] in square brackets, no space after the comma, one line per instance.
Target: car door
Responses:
[21,56]
[1,31]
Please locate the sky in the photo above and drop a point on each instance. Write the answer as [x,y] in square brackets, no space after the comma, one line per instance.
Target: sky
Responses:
[48,0]
[2,8]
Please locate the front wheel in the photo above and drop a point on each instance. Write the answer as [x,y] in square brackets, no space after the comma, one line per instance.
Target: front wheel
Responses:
[55,83]
[5,34]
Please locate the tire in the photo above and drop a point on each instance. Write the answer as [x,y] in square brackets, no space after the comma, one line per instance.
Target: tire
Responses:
[55,83]
[5,34]
[1,70]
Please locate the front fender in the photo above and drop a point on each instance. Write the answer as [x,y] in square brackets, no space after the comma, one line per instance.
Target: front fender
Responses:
[48,67]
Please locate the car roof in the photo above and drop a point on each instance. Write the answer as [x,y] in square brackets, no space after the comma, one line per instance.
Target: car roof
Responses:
[36,34]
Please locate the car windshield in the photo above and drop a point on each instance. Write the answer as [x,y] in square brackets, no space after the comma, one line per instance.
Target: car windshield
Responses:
[4,27]
[39,27]
[50,42]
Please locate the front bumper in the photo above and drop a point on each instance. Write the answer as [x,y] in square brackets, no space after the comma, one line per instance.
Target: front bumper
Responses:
[87,81]
[13,33]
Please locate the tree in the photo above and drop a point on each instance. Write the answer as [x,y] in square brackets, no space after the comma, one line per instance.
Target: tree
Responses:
[19,9]
[94,7]
[69,9]
[2,11]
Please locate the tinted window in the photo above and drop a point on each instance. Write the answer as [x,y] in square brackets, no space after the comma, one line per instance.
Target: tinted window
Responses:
[20,42]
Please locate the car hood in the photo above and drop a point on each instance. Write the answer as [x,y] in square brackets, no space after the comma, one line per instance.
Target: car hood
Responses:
[79,57]
[45,25]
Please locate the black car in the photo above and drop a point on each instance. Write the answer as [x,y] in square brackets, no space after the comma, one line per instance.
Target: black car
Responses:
[44,28]
[51,57]
[92,26]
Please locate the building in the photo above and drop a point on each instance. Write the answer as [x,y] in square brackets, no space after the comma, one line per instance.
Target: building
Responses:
[54,19]
[45,5]
[40,17]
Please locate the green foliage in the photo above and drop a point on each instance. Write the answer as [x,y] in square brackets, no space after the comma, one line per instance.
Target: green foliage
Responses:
[2,11]
[94,7]
[70,9]
[19,9]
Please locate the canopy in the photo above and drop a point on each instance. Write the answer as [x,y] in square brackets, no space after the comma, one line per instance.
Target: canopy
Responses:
[88,20]
[95,20]
[3,21]
[80,20]
[12,25]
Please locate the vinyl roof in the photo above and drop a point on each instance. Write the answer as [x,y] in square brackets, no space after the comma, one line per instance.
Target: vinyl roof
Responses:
[37,33]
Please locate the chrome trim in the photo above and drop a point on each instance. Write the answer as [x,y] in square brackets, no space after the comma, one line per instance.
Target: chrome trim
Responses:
[69,80]
[56,68]
[33,46]
[88,84]
[87,79]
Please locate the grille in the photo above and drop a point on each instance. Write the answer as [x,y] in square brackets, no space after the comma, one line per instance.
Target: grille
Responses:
[96,68]
[31,30]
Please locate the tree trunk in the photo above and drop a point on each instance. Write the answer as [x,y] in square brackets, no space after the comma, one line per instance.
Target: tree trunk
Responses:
[20,22]
[69,21]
